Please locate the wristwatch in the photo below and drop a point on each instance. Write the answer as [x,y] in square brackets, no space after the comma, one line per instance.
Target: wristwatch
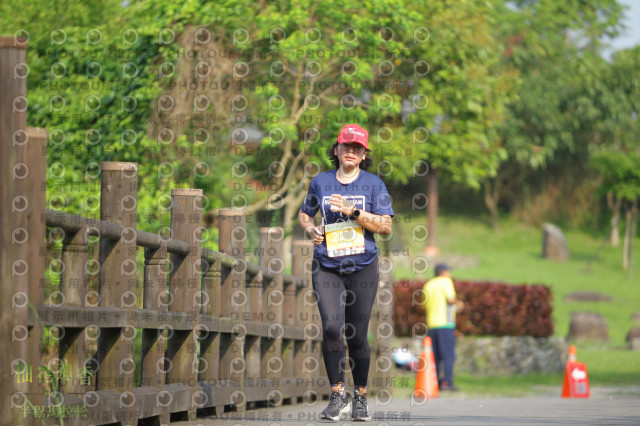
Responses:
[355,214]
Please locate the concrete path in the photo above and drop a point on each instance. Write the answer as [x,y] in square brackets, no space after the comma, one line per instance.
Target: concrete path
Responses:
[604,408]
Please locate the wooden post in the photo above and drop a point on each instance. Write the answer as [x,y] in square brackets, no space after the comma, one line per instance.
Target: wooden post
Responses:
[73,284]
[376,324]
[302,257]
[155,284]
[373,383]
[288,345]
[14,267]
[383,331]
[253,345]
[184,284]
[292,389]
[271,257]
[233,240]
[314,361]
[117,280]
[35,186]
[210,345]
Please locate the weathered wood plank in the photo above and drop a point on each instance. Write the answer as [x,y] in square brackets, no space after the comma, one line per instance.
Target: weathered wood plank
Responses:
[271,249]
[184,286]
[117,279]
[233,240]
[154,288]
[73,285]
[13,265]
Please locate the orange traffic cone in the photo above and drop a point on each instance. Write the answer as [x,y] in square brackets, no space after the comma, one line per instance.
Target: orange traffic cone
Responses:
[572,354]
[576,379]
[427,378]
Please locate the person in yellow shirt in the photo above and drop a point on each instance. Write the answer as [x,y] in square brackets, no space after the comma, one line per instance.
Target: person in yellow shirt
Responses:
[441,303]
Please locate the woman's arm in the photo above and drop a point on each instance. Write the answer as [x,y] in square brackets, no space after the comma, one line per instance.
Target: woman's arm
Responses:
[310,228]
[379,224]
[375,223]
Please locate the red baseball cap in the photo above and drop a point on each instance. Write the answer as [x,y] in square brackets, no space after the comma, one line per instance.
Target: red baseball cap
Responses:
[353,133]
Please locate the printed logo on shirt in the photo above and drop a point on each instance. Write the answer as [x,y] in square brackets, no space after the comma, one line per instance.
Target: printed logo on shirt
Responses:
[331,216]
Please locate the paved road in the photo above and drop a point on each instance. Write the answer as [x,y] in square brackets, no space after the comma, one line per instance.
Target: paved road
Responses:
[604,408]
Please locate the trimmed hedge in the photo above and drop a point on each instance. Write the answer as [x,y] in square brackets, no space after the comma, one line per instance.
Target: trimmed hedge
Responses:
[491,309]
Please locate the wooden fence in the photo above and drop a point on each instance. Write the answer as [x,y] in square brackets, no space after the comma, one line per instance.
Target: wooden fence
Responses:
[217,333]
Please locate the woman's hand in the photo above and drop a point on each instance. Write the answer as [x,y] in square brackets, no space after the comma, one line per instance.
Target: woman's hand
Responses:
[341,205]
[315,233]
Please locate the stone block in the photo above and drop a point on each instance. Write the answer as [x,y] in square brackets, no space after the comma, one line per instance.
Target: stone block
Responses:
[634,333]
[588,327]
[587,296]
[554,243]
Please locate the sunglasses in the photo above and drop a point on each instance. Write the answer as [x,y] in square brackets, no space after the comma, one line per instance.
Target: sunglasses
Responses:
[353,147]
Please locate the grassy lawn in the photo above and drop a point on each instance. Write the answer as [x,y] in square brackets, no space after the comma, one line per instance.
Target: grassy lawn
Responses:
[610,366]
[512,254]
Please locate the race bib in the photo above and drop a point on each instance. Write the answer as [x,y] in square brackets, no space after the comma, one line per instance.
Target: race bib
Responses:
[344,238]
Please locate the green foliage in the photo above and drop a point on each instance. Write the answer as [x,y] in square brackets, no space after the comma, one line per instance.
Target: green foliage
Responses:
[465,87]
[470,89]
[82,91]
[93,84]
[616,156]
[557,112]
[620,172]
[556,47]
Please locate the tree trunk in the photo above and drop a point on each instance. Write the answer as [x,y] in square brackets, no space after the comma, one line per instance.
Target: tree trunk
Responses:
[491,197]
[627,238]
[634,220]
[432,211]
[614,204]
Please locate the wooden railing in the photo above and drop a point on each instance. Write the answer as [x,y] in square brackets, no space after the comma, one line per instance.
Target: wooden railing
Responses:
[216,333]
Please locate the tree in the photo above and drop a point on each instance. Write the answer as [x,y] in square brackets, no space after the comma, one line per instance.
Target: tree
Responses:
[620,173]
[555,46]
[616,158]
[302,71]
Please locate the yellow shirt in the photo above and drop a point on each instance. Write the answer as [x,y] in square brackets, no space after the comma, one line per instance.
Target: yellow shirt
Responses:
[440,314]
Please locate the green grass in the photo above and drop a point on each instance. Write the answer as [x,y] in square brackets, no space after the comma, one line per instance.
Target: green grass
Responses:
[512,254]
[610,366]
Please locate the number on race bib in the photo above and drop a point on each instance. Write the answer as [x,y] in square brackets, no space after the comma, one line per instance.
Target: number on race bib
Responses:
[344,238]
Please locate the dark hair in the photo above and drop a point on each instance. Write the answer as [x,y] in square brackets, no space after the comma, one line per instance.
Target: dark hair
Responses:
[364,164]
[441,267]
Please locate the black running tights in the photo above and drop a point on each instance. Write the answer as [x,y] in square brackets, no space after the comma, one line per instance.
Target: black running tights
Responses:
[345,302]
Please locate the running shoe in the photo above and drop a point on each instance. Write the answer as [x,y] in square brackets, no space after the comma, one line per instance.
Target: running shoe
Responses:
[338,405]
[360,411]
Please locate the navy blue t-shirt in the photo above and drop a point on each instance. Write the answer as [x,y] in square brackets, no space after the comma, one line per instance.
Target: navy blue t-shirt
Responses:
[368,193]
